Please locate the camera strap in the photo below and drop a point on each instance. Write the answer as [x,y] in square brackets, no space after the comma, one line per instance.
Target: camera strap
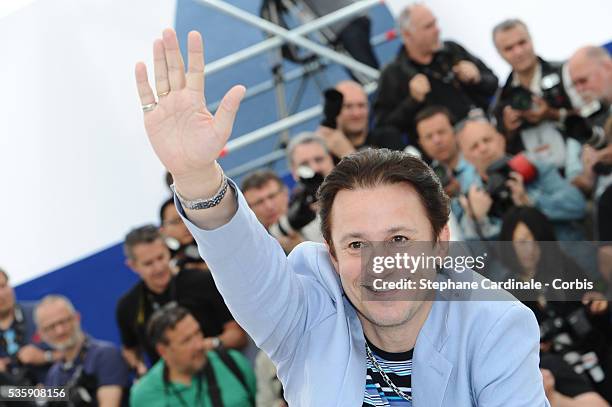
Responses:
[169,387]
[19,331]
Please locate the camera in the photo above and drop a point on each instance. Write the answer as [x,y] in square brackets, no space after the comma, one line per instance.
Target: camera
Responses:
[300,213]
[499,173]
[588,128]
[332,106]
[520,98]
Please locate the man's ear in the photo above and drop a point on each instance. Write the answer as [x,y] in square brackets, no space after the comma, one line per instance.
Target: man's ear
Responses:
[444,235]
[332,256]
[443,239]
[161,350]
[131,265]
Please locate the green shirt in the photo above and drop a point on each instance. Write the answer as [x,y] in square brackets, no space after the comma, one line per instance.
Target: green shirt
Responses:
[151,392]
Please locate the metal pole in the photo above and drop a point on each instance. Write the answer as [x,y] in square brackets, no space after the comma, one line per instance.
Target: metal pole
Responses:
[304,29]
[292,37]
[294,73]
[256,163]
[267,131]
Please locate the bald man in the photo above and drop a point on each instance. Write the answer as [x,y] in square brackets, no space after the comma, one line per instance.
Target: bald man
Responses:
[482,145]
[353,132]
[428,72]
[591,71]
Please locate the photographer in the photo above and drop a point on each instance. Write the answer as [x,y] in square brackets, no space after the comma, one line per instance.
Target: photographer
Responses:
[574,324]
[427,72]
[533,105]
[183,249]
[24,361]
[92,371]
[345,124]
[505,182]
[591,71]
[188,373]
[310,162]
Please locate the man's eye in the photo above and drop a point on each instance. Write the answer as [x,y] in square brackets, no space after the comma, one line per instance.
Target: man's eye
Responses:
[356,245]
[399,240]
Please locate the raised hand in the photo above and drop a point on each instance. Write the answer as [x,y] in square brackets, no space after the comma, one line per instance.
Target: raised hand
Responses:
[186,137]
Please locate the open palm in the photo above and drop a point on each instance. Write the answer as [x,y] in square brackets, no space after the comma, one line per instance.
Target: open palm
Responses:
[186,137]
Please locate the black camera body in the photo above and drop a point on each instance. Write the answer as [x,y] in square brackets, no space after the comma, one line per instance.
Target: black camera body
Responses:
[300,213]
[332,106]
[499,173]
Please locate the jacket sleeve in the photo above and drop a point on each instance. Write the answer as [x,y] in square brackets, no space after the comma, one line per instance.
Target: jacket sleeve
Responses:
[268,298]
[394,106]
[556,197]
[487,86]
[515,379]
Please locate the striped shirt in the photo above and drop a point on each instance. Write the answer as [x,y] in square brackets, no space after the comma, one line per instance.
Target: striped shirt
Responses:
[398,367]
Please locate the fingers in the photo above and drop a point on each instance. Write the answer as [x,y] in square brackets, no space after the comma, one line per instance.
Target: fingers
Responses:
[174,60]
[161,68]
[195,53]
[142,82]
[224,117]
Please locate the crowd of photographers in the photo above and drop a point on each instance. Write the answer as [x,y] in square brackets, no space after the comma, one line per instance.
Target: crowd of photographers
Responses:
[530,161]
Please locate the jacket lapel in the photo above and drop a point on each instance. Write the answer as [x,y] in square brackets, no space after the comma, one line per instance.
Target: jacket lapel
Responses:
[431,371]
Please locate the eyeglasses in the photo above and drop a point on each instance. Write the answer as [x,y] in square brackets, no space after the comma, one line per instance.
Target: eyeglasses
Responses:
[270,196]
[61,322]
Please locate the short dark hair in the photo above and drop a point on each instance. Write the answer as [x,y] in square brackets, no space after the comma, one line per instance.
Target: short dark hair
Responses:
[373,167]
[167,202]
[165,318]
[507,25]
[257,179]
[431,111]
[140,235]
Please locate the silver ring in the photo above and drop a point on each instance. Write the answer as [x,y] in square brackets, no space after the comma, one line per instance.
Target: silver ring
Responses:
[163,94]
[149,107]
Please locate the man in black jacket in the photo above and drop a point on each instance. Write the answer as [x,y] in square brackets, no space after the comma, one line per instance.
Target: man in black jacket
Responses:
[533,104]
[427,72]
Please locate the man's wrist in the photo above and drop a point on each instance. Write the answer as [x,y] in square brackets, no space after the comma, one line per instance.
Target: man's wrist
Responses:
[202,185]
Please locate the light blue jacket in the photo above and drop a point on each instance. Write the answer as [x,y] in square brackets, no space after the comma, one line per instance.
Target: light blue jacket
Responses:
[467,354]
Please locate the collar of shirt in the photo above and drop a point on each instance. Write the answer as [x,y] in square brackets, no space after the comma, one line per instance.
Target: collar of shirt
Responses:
[534,86]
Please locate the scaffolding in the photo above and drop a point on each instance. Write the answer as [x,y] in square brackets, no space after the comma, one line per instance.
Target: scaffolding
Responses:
[278,37]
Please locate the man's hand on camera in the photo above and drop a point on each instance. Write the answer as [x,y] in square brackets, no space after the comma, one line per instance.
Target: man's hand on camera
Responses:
[540,111]
[517,190]
[477,203]
[419,87]
[453,188]
[186,137]
[31,355]
[512,118]
[467,72]
[337,143]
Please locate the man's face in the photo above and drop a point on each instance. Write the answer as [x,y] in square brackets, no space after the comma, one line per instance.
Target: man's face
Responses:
[424,34]
[7,296]
[353,118]
[437,138]
[516,48]
[593,80]
[314,156]
[269,202]
[481,144]
[58,325]
[359,217]
[185,350]
[152,263]
[173,226]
